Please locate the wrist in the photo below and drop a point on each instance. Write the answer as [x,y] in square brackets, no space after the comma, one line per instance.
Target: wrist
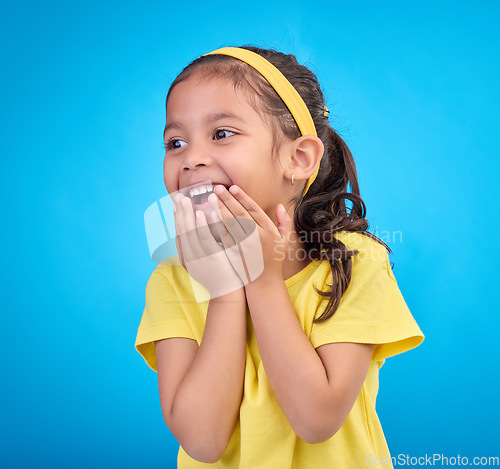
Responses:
[265,281]
[235,296]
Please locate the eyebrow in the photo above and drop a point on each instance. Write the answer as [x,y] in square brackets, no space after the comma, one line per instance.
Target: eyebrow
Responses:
[214,117]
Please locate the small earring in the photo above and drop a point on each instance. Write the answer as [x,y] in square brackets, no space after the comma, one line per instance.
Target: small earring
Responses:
[292,179]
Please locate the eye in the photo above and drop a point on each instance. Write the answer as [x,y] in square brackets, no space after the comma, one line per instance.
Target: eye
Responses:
[219,133]
[174,144]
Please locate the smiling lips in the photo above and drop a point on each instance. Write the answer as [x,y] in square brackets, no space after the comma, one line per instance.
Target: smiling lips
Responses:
[200,190]
[199,195]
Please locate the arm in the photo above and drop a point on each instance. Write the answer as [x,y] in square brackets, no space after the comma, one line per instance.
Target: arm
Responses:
[315,388]
[201,386]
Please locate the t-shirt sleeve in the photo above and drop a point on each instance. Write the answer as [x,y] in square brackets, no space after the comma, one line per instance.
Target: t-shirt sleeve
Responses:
[163,317]
[372,310]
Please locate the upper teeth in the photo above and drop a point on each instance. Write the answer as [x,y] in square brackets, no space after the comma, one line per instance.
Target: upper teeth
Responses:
[200,190]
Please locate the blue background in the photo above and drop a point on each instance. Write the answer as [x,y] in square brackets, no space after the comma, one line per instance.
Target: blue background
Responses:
[411,86]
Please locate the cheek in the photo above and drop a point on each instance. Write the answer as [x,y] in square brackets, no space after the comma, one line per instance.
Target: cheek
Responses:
[170,175]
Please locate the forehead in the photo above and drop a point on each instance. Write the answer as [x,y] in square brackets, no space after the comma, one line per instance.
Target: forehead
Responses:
[200,94]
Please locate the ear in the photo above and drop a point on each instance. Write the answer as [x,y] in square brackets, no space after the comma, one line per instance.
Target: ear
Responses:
[306,153]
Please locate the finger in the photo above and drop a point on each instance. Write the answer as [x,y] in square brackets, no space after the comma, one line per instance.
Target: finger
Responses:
[221,217]
[178,223]
[206,239]
[221,234]
[190,228]
[186,236]
[188,213]
[284,220]
[252,207]
[179,219]
[179,251]
[229,202]
[233,214]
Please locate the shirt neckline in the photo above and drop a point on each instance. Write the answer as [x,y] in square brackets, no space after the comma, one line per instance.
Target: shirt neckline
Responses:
[296,278]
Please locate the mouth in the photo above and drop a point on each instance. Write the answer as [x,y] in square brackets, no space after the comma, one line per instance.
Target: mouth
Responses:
[199,194]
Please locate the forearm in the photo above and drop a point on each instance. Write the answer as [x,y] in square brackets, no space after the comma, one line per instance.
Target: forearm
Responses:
[294,369]
[206,405]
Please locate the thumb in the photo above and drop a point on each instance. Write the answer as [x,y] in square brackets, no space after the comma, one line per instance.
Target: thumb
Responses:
[284,221]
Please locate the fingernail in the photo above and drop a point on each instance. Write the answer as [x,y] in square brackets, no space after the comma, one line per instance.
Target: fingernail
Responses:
[212,198]
[177,197]
[219,189]
[233,189]
[185,201]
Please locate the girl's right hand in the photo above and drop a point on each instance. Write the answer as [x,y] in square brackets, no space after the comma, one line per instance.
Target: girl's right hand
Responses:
[204,259]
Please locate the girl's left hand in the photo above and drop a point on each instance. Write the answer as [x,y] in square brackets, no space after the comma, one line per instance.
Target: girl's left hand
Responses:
[274,240]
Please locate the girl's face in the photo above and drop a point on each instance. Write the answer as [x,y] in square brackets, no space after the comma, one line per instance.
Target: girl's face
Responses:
[213,133]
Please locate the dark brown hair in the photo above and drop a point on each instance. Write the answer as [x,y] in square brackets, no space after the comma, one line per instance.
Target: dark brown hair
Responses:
[323,210]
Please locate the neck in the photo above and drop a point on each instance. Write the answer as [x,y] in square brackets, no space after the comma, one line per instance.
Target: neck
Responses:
[296,257]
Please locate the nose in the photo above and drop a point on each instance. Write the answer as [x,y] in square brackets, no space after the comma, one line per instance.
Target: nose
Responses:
[196,155]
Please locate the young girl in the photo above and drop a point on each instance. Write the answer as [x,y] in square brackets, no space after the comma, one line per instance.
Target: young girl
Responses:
[280,372]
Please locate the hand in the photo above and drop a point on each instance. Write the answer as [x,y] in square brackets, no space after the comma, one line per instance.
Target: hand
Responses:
[203,258]
[273,240]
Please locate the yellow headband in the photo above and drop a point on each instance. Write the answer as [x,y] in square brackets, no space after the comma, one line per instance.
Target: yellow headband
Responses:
[285,90]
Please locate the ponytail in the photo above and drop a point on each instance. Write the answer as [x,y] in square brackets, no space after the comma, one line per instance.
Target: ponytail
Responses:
[323,211]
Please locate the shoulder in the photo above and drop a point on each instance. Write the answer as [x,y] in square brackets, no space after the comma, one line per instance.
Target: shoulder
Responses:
[363,242]
[370,254]
[169,270]
[372,309]
[169,279]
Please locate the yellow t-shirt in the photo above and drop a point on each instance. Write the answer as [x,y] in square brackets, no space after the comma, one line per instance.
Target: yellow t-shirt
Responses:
[372,310]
